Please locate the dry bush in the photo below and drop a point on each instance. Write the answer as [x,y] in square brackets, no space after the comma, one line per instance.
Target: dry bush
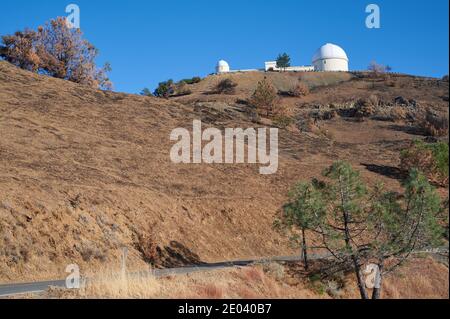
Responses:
[373,100]
[323,115]
[282,116]
[275,270]
[57,51]
[431,159]
[89,251]
[389,81]
[398,113]
[306,124]
[283,121]
[182,88]
[365,107]
[264,99]
[19,49]
[326,133]
[226,86]
[147,246]
[301,89]
[377,68]
[434,123]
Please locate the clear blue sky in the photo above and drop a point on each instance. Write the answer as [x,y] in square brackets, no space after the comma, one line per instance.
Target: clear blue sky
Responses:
[150,41]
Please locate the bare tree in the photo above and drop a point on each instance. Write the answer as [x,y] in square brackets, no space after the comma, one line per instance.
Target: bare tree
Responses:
[57,51]
[377,68]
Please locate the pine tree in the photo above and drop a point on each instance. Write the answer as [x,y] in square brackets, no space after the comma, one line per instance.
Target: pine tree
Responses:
[283,61]
[358,226]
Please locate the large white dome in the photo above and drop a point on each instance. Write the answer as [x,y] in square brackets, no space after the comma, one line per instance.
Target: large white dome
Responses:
[222,67]
[330,57]
[330,51]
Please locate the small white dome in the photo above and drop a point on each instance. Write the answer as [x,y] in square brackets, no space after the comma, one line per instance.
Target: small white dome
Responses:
[222,63]
[222,67]
[330,51]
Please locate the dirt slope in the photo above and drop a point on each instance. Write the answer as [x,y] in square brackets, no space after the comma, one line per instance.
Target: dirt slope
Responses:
[85,172]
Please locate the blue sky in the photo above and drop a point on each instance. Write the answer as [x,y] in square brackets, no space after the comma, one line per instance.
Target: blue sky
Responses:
[150,41]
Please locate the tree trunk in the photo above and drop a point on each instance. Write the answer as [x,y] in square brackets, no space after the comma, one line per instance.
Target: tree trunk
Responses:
[305,251]
[354,255]
[355,259]
[376,294]
[360,278]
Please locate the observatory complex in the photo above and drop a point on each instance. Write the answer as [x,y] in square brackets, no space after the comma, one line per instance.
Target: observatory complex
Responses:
[328,58]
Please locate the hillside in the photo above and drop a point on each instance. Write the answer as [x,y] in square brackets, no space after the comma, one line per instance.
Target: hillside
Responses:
[85,172]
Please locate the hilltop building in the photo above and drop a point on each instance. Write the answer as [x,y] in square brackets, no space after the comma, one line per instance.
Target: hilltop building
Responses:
[328,58]
[222,67]
[272,66]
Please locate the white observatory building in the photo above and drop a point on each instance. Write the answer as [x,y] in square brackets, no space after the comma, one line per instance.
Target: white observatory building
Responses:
[222,67]
[330,58]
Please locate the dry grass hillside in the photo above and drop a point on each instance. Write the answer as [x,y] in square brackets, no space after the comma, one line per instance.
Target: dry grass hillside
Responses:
[85,172]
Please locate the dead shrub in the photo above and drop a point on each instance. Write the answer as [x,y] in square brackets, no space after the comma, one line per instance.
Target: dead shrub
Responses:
[89,251]
[389,81]
[306,124]
[323,115]
[398,113]
[373,100]
[434,123]
[365,107]
[226,86]
[431,159]
[147,246]
[283,121]
[326,133]
[265,98]
[275,270]
[301,89]
[182,88]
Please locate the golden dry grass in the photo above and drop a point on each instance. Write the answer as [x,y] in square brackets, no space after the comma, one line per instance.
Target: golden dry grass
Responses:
[245,283]
[419,278]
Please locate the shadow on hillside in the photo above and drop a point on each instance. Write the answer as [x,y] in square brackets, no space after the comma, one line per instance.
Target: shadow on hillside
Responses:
[388,171]
[177,255]
[407,129]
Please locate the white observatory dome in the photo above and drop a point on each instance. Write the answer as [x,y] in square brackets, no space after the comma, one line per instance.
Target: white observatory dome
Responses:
[330,58]
[222,67]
